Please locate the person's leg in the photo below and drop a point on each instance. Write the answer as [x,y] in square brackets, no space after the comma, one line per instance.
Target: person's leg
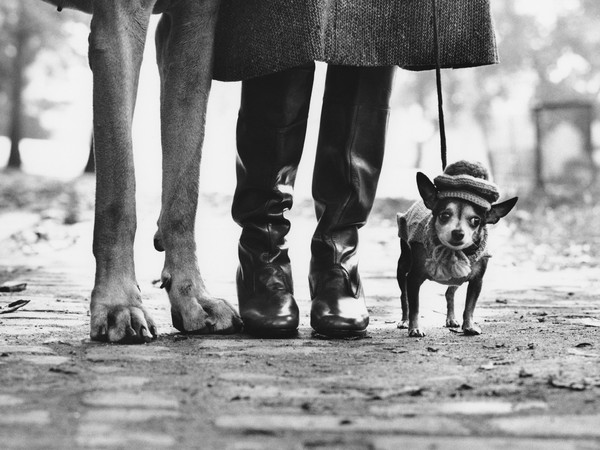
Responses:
[348,162]
[270,138]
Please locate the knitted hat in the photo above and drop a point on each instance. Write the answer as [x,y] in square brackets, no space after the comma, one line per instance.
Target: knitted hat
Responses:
[467,181]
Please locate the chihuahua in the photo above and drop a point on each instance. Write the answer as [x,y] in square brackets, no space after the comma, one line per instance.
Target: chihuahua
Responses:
[443,239]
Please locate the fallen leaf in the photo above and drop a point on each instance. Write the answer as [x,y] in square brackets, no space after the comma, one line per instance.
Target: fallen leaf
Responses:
[13,286]
[64,370]
[390,393]
[567,384]
[574,351]
[524,373]
[11,307]
[399,351]
[587,322]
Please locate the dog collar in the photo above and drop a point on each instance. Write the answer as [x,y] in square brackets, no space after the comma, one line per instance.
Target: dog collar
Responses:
[448,266]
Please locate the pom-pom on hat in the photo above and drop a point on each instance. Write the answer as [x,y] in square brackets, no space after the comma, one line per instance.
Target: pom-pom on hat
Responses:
[467,181]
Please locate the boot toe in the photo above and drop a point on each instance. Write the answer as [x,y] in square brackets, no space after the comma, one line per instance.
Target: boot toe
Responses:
[259,324]
[277,317]
[347,317]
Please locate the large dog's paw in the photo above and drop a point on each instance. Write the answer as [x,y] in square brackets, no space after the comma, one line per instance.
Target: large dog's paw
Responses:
[120,318]
[206,316]
[195,312]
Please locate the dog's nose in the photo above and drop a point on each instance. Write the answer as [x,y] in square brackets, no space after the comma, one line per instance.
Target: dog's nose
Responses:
[458,235]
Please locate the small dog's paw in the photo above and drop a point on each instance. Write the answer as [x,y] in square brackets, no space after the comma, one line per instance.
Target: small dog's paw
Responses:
[472,330]
[452,323]
[403,324]
[416,332]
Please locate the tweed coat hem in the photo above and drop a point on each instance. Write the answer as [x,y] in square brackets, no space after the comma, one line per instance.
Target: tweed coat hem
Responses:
[258,37]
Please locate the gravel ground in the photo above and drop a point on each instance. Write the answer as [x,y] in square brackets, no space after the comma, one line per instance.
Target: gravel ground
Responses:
[531,380]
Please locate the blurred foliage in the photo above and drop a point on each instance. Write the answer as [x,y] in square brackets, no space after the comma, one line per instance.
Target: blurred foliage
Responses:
[30,30]
[556,55]
[562,53]
[549,51]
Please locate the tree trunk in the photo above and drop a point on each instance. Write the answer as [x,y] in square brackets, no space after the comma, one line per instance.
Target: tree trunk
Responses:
[16,114]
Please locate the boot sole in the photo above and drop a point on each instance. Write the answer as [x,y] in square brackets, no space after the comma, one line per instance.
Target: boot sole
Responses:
[271,333]
[340,334]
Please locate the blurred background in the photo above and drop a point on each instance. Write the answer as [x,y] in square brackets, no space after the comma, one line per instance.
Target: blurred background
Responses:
[532,119]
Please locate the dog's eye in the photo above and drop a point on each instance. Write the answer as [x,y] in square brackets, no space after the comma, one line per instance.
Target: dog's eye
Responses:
[474,222]
[445,217]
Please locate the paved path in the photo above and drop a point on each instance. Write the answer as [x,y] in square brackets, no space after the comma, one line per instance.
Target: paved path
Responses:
[531,381]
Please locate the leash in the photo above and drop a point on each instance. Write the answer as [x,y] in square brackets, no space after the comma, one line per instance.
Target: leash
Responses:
[438,82]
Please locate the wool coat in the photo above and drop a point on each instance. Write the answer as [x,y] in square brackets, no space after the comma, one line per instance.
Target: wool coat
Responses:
[258,37]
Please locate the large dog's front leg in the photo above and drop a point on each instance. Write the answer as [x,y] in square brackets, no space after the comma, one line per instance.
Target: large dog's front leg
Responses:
[185,38]
[118,31]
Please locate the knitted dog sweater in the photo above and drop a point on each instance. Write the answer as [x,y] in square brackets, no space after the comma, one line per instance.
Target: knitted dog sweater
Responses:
[443,265]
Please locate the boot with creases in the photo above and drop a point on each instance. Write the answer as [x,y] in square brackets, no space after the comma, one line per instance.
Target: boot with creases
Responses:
[270,138]
[347,167]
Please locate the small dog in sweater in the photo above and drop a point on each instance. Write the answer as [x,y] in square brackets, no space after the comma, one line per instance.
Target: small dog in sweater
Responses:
[443,238]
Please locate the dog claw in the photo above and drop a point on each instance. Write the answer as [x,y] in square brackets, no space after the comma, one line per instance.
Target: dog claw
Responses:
[166,283]
[402,324]
[146,335]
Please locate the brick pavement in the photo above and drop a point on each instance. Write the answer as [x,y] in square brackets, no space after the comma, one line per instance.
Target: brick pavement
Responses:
[59,390]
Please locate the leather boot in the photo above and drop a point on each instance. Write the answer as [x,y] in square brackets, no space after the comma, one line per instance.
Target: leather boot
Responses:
[270,137]
[347,167]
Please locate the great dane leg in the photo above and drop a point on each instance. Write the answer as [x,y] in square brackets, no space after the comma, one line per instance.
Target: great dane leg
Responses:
[118,31]
[185,38]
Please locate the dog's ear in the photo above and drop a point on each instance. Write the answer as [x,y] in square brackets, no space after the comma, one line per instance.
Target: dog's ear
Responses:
[427,190]
[500,210]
